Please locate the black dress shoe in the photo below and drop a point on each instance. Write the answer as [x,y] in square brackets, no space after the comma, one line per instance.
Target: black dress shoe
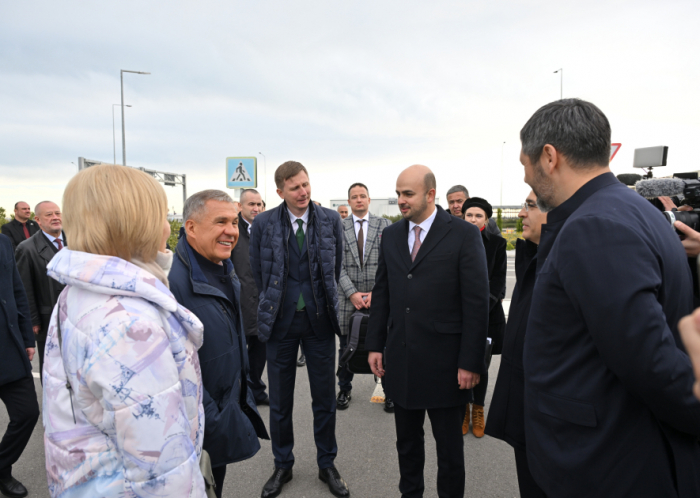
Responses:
[273,486]
[263,401]
[13,488]
[343,399]
[337,486]
[388,405]
[301,361]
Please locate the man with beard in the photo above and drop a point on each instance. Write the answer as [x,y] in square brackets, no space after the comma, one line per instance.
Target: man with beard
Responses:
[609,409]
[430,306]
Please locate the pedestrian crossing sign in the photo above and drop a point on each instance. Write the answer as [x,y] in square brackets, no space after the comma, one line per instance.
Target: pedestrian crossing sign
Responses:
[241,172]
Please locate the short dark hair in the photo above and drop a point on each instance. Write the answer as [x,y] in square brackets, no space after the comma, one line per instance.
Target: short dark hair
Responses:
[458,188]
[287,170]
[247,191]
[358,185]
[575,128]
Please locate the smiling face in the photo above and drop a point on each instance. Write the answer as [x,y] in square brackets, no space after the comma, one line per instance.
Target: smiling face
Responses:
[48,216]
[533,219]
[214,233]
[416,199]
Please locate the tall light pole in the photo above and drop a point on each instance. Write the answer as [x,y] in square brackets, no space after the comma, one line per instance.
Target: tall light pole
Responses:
[114,138]
[264,174]
[121,75]
[561,82]
[502,146]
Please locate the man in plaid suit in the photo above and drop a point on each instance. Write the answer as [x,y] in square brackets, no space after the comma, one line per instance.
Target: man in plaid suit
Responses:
[363,234]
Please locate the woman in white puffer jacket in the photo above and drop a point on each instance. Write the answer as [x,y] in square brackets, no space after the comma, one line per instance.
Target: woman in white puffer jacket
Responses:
[130,420]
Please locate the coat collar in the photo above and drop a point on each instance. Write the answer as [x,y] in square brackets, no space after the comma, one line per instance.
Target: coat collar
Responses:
[44,246]
[567,208]
[440,227]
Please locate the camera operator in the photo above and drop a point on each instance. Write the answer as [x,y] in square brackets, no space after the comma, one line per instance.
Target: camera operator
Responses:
[690,238]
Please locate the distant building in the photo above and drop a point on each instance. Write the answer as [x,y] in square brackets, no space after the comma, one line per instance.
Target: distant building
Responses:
[378,207]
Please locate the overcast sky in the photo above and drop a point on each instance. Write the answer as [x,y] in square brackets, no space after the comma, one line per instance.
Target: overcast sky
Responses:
[356,91]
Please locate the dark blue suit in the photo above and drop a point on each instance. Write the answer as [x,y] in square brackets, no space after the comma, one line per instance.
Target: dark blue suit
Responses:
[309,271]
[608,404]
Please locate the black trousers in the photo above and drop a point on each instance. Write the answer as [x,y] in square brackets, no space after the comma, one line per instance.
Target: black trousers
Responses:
[257,356]
[41,345]
[526,483]
[410,444]
[345,376]
[22,407]
[219,474]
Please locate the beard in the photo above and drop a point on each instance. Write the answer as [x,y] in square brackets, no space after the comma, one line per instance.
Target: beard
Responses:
[543,187]
[417,211]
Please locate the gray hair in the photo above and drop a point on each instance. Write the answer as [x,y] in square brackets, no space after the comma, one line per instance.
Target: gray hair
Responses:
[37,209]
[458,188]
[194,205]
[575,128]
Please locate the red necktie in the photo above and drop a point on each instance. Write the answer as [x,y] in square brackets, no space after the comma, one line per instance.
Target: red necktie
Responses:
[58,241]
[26,232]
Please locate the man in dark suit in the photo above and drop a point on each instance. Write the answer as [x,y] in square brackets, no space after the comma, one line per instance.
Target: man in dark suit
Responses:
[430,308]
[609,409]
[16,381]
[363,235]
[251,206]
[506,415]
[32,257]
[21,227]
[296,252]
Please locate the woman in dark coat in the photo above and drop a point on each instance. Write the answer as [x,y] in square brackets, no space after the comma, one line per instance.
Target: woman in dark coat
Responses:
[478,211]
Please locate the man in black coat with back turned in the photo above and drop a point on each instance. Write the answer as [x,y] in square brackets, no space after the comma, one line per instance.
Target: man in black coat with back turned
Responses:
[609,409]
[21,227]
[251,206]
[430,306]
[32,257]
[16,381]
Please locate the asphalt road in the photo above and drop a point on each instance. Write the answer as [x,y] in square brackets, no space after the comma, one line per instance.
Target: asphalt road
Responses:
[366,450]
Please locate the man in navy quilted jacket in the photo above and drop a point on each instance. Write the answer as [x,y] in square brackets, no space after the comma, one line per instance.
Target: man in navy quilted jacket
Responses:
[296,252]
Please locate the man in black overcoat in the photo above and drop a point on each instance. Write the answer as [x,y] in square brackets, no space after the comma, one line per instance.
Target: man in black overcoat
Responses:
[609,409]
[16,382]
[21,227]
[251,206]
[32,257]
[427,329]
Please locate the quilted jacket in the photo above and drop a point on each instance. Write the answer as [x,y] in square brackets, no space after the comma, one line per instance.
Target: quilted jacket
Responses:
[269,258]
[134,423]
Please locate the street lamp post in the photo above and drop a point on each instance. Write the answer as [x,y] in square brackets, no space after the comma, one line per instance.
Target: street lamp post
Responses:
[502,146]
[121,75]
[561,82]
[264,174]
[114,138]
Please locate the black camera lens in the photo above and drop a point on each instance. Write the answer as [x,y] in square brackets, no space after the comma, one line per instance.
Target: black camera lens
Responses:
[690,218]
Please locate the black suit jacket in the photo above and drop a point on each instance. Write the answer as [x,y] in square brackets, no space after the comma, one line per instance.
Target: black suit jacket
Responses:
[609,408]
[430,314]
[240,257]
[15,232]
[42,291]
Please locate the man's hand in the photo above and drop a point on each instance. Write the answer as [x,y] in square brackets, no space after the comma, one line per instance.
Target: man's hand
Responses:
[36,329]
[376,364]
[30,353]
[467,379]
[690,331]
[691,240]
[670,206]
[357,301]
[368,301]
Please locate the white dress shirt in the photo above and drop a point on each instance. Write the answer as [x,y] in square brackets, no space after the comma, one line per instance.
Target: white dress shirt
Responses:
[52,239]
[304,218]
[248,225]
[425,227]
[365,226]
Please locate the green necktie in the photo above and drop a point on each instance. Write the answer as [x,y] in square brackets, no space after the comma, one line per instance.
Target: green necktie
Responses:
[300,240]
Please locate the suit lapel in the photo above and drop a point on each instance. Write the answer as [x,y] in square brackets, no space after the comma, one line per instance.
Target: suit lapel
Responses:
[371,233]
[402,244]
[438,230]
[351,239]
[45,248]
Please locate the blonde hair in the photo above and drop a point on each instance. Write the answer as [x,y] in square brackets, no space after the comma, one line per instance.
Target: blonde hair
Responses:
[115,211]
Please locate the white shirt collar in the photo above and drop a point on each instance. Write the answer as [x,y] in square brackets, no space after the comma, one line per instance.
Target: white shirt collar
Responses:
[426,223]
[355,219]
[304,217]
[52,238]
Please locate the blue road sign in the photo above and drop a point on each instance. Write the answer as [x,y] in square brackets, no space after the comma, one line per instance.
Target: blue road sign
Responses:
[241,172]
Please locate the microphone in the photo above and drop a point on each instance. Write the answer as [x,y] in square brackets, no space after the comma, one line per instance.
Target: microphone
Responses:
[658,187]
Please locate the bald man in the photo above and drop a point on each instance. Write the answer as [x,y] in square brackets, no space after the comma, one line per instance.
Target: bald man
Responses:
[21,227]
[343,211]
[32,257]
[427,328]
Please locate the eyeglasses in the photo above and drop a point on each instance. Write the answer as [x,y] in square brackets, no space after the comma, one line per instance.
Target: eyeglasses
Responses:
[527,206]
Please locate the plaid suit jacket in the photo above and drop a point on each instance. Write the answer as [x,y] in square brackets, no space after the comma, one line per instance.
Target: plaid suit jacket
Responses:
[355,277]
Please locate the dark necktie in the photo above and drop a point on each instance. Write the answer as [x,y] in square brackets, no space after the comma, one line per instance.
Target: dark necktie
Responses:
[416,242]
[57,240]
[26,231]
[361,242]
[300,240]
